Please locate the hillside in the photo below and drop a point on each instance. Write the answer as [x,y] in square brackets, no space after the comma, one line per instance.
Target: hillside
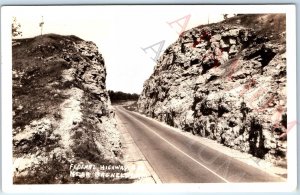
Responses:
[227,82]
[61,110]
[119,96]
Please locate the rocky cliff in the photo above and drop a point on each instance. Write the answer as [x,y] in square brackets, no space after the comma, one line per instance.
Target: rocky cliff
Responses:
[227,82]
[61,109]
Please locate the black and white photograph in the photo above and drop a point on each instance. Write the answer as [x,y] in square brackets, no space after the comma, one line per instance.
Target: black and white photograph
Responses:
[150,94]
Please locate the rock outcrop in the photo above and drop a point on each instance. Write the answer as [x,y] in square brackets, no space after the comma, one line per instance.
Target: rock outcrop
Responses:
[61,110]
[227,82]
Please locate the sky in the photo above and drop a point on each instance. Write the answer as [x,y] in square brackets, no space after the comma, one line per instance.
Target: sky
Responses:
[120,32]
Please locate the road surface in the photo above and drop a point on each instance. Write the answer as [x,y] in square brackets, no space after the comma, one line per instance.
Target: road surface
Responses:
[179,159]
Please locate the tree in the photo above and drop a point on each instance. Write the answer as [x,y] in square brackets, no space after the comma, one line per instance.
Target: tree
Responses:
[16,28]
[119,96]
[225,16]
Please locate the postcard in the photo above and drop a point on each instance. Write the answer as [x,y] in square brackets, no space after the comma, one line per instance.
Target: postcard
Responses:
[174,97]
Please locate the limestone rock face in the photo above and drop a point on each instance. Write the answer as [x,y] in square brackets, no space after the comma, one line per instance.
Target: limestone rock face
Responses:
[227,82]
[61,110]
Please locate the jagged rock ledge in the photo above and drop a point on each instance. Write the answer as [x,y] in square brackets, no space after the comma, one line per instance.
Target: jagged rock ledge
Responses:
[227,82]
[61,110]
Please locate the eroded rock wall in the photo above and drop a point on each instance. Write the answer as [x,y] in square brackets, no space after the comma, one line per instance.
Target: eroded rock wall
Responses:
[227,82]
[61,110]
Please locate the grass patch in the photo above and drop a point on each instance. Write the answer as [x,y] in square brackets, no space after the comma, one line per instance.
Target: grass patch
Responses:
[33,97]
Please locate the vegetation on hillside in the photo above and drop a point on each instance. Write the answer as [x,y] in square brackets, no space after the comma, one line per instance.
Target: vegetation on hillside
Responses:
[119,96]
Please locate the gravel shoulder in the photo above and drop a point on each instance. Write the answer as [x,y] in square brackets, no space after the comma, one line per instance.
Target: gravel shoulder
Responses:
[139,168]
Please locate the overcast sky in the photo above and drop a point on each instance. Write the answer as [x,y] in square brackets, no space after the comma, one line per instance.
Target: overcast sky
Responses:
[120,33]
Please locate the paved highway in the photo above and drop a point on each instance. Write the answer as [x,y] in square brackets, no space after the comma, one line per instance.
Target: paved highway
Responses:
[177,158]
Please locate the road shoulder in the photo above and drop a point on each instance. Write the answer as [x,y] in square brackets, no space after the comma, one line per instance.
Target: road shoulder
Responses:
[139,168]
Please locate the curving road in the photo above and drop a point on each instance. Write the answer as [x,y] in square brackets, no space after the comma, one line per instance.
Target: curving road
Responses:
[179,159]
